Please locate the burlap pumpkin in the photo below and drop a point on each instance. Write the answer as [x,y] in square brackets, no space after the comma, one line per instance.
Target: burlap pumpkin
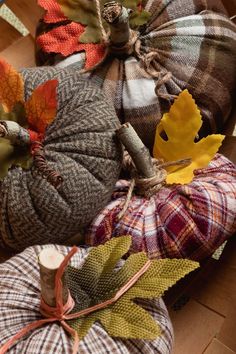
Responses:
[180,221]
[194,46]
[19,306]
[81,146]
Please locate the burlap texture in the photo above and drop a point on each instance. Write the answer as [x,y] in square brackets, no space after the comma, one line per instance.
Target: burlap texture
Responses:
[19,306]
[196,43]
[81,145]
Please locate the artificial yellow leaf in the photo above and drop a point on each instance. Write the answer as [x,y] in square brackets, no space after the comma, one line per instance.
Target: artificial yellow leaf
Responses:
[181,126]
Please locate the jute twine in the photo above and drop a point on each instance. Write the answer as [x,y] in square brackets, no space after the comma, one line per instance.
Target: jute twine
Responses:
[61,313]
[41,166]
[147,187]
[134,46]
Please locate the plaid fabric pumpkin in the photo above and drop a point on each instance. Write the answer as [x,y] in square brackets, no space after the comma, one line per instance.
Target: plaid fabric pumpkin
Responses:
[180,221]
[194,41]
[19,306]
[80,145]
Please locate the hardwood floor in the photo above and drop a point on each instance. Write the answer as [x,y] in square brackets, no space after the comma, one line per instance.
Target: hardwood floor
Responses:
[16,49]
[206,321]
[203,308]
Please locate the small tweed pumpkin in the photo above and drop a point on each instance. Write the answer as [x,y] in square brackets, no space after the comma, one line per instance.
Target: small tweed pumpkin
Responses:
[184,44]
[81,146]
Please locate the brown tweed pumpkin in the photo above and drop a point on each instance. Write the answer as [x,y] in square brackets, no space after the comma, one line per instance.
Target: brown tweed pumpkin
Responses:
[81,146]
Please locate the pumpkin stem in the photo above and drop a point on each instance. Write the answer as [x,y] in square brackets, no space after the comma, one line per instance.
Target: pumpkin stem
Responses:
[14,132]
[137,150]
[49,260]
[117,17]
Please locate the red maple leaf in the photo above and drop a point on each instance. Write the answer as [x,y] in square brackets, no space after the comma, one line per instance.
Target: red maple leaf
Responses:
[65,38]
[53,11]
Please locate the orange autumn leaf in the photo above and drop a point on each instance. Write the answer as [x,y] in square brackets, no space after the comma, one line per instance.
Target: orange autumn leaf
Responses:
[41,107]
[11,86]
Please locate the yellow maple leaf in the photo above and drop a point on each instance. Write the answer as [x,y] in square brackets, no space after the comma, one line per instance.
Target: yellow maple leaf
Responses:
[181,126]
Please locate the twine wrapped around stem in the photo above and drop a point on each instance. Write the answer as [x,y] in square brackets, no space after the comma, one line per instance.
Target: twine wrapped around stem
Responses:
[148,175]
[40,165]
[61,312]
[123,41]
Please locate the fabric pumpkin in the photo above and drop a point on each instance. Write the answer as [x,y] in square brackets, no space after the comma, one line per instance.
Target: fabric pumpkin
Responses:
[19,306]
[194,42]
[81,146]
[180,221]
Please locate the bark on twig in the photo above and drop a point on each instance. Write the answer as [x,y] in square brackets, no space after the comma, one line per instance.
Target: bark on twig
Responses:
[117,17]
[14,132]
[49,261]
[137,150]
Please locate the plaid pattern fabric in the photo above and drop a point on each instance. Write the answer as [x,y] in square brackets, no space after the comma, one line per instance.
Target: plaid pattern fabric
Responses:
[19,306]
[180,221]
[196,43]
[80,145]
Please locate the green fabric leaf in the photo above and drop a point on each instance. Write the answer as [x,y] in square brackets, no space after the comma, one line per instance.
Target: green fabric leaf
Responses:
[11,155]
[135,323]
[84,12]
[102,275]
[138,19]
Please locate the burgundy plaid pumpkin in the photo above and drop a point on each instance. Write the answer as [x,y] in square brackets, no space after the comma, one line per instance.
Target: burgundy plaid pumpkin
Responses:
[179,221]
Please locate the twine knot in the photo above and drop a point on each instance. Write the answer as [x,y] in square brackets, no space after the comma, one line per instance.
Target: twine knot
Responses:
[146,187]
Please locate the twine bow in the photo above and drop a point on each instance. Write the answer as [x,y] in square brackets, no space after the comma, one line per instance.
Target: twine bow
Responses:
[61,312]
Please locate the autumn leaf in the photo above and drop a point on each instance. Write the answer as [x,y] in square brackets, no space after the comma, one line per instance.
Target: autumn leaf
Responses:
[41,107]
[85,12]
[181,126]
[64,40]
[99,279]
[11,86]
[53,11]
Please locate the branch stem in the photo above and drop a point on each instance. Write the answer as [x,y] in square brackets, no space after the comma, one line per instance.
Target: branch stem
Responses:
[117,17]
[49,260]
[137,150]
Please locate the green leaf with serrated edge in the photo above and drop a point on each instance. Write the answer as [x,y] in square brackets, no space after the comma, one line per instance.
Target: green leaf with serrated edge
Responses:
[84,12]
[139,18]
[11,155]
[135,323]
[6,151]
[99,280]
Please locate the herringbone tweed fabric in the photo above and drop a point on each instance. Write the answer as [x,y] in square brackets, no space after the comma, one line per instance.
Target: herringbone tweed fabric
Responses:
[80,144]
[196,43]
[19,306]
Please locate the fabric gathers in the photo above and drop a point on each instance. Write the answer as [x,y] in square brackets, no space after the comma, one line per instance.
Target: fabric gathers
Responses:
[179,221]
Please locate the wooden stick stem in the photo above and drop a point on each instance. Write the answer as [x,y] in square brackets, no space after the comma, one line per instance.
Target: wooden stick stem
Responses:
[137,150]
[117,16]
[14,132]
[49,261]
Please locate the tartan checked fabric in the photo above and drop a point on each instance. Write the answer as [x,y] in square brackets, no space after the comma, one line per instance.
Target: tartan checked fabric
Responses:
[196,43]
[80,145]
[180,221]
[19,306]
